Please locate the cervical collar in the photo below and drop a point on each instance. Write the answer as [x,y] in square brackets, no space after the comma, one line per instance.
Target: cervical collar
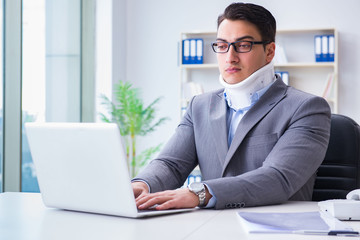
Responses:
[239,95]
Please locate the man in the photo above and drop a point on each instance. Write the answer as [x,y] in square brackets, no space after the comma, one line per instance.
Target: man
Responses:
[257,141]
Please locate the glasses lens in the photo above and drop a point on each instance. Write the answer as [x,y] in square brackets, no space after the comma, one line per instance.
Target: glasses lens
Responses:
[243,46]
[220,47]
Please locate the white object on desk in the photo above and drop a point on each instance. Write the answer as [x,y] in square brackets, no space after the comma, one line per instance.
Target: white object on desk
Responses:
[343,209]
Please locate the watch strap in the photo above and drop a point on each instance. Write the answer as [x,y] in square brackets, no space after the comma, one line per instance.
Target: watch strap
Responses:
[202,197]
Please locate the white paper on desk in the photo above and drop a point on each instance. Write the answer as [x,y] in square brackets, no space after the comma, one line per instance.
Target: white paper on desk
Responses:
[290,222]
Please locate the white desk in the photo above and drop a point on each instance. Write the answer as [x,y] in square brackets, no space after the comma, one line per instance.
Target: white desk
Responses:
[23,216]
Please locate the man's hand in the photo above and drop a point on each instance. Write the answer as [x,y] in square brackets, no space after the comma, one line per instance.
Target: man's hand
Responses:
[140,189]
[180,198]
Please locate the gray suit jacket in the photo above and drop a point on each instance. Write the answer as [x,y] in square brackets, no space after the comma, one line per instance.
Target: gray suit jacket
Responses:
[277,148]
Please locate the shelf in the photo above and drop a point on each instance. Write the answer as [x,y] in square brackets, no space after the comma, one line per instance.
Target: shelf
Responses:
[292,65]
[306,64]
[301,31]
[199,66]
[202,33]
[279,31]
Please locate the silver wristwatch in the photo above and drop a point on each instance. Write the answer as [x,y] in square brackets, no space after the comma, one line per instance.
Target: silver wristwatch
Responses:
[199,189]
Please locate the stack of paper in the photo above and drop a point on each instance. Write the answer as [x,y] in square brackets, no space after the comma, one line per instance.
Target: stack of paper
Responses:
[300,223]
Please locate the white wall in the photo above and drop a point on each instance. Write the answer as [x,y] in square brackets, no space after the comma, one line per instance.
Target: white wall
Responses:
[153,32]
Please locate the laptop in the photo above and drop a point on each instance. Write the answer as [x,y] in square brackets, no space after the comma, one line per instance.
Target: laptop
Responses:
[82,167]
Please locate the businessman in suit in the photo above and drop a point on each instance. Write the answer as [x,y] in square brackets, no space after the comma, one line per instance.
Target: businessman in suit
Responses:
[257,141]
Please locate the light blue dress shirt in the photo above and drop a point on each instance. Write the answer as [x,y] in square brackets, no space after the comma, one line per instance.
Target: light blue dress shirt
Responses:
[235,115]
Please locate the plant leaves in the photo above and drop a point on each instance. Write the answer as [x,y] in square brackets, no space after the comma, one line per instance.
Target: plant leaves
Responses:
[133,119]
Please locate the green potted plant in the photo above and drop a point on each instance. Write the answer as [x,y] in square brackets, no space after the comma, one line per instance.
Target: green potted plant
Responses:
[133,119]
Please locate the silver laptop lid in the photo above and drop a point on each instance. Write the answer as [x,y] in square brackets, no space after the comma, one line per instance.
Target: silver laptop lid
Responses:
[82,167]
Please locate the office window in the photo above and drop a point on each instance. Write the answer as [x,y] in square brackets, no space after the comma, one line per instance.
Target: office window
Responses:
[51,66]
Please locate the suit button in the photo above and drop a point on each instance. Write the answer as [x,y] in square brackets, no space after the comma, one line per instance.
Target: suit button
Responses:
[228,205]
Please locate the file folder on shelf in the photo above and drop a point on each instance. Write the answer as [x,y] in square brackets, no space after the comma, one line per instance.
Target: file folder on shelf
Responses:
[324,48]
[186,52]
[193,50]
[318,48]
[199,51]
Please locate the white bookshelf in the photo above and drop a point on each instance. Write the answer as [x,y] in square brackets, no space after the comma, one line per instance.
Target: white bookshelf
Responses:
[304,72]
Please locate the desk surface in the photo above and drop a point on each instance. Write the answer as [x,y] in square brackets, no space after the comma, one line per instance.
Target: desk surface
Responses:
[23,216]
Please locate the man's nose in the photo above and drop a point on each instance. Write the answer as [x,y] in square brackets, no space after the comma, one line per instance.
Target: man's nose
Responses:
[232,55]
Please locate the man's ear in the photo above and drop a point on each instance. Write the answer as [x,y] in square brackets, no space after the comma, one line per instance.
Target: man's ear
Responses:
[270,51]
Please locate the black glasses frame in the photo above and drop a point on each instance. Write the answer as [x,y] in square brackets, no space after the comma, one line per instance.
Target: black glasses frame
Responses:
[213,45]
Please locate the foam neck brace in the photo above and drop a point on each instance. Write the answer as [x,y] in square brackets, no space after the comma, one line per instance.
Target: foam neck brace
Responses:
[239,95]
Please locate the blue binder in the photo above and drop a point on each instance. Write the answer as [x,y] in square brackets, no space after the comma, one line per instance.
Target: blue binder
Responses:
[186,51]
[199,51]
[325,48]
[193,51]
[317,44]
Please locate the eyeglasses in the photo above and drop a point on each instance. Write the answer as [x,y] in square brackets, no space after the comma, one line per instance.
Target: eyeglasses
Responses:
[239,46]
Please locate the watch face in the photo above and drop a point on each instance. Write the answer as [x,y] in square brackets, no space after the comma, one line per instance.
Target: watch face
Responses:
[196,186]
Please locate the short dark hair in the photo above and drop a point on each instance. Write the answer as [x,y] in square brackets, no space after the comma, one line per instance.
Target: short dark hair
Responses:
[255,14]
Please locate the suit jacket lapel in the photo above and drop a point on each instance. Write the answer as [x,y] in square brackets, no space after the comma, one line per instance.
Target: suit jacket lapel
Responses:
[269,100]
[217,117]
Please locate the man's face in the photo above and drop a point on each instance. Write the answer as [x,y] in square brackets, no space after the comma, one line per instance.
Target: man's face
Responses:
[235,67]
